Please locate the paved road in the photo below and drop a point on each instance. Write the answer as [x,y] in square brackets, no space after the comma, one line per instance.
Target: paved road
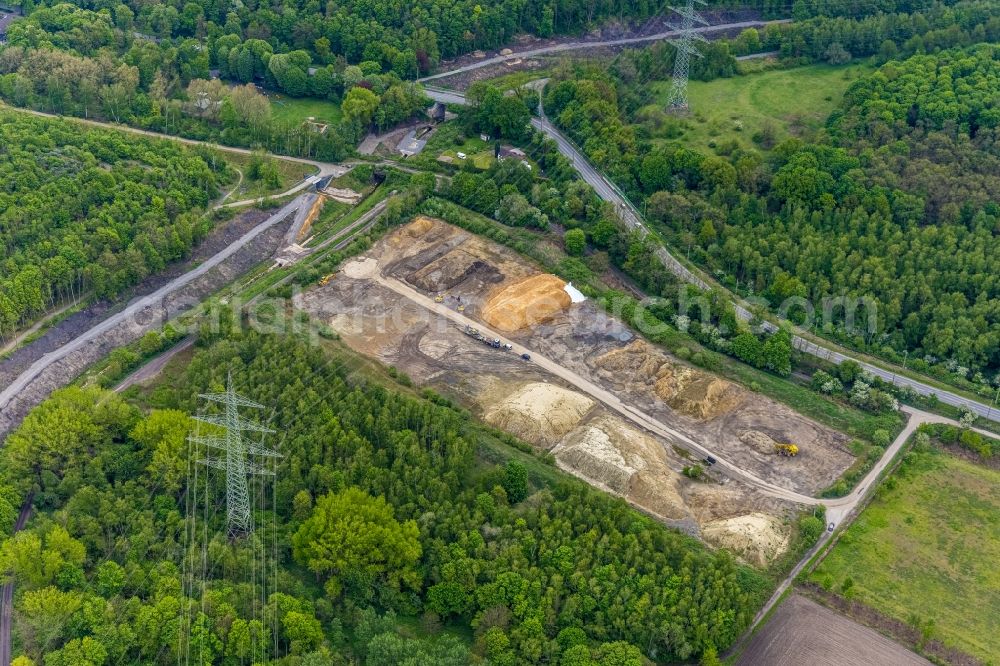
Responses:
[576,46]
[827,351]
[844,510]
[7,592]
[140,304]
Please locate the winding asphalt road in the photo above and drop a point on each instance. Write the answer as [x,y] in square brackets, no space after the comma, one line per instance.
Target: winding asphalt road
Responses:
[631,216]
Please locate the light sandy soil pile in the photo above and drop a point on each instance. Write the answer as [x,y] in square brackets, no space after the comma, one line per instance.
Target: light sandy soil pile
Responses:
[758,441]
[539,413]
[756,537]
[526,303]
[685,389]
[612,455]
[343,195]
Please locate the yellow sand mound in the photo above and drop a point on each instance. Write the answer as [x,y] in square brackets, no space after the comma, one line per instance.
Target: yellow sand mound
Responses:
[697,394]
[755,537]
[419,227]
[539,413]
[590,452]
[526,303]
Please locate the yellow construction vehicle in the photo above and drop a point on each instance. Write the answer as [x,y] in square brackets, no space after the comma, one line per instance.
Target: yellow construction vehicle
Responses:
[439,299]
[789,450]
[325,280]
[461,308]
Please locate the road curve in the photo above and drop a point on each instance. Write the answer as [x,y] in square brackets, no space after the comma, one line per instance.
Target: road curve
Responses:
[842,511]
[140,304]
[575,46]
[628,213]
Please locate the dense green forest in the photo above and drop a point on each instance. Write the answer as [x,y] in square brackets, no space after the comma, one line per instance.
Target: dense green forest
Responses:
[428,515]
[897,203]
[150,64]
[92,211]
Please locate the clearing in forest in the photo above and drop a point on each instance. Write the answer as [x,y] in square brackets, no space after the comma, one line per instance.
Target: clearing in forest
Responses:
[501,291]
[784,103]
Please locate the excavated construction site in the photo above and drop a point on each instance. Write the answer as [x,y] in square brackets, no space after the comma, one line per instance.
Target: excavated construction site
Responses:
[391,305]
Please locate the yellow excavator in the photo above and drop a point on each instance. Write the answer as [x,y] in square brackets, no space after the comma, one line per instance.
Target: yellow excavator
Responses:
[325,280]
[789,450]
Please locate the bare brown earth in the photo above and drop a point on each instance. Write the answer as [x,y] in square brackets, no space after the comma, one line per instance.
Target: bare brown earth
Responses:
[493,284]
[803,632]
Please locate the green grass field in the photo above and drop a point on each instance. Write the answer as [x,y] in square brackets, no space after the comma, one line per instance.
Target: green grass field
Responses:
[926,550]
[291,173]
[792,102]
[293,110]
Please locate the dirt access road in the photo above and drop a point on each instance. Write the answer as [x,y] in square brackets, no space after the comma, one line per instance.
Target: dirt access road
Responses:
[369,269]
[842,511]
[837,509]
[803,342]
[804,632]
[576,46]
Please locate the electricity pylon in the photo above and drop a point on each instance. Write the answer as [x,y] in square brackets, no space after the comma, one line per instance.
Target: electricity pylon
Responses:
[237,463]
[678,99]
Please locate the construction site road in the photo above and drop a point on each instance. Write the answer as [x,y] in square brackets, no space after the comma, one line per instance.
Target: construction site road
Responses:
[369,270]
[630,216]
[576,46]
[843,510]
[837,508]
[25,378]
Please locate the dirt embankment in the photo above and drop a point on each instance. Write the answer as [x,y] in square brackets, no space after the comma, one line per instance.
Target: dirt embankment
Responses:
[493,285]
[756,537]
[685,389]
[65,370]
[615,456]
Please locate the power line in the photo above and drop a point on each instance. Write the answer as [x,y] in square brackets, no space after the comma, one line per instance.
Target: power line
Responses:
[238,462]
[678,98]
